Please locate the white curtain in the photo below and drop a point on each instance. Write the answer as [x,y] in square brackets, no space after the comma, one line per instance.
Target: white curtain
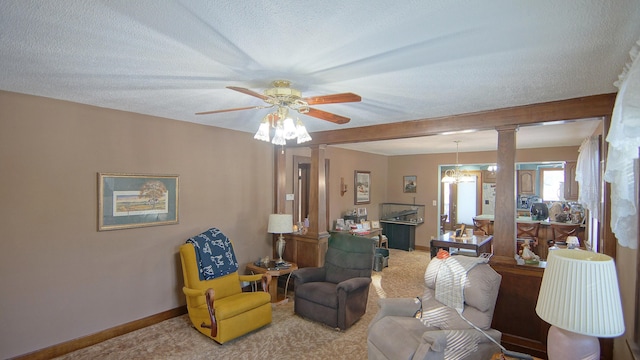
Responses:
[624,142]
[588,176]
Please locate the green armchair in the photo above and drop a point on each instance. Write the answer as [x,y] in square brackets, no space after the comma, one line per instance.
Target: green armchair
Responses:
[336,294]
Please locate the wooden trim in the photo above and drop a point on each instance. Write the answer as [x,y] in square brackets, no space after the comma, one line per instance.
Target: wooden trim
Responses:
[82,342]
[562,110]
[422,248]
[280,180]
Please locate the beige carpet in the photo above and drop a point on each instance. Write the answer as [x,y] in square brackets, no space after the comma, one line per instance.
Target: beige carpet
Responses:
[288,337]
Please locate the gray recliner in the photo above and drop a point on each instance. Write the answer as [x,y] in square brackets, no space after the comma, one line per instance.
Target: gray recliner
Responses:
[336,294]
[397,332]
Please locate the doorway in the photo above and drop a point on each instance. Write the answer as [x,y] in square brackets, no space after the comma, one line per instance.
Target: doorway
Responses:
[462,201]
[302,188]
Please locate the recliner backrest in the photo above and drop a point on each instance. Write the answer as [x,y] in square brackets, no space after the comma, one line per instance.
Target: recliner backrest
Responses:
[480,293]
[347,257]
[223,286]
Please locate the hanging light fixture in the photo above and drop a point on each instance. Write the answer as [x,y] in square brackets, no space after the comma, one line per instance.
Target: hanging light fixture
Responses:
[455,175]
[285,128]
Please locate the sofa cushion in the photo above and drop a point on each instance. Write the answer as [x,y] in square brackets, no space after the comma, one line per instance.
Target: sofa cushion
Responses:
[323,293]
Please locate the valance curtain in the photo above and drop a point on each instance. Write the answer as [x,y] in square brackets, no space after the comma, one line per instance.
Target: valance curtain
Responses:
[624,143]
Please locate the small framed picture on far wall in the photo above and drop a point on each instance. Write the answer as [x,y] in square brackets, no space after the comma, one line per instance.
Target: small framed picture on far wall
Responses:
[410,184]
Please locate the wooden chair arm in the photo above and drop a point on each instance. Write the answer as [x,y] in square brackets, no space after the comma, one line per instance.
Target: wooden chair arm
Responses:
[212,313]
[266,280]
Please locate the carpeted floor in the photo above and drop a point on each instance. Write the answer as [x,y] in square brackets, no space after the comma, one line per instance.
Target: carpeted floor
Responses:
[288,337]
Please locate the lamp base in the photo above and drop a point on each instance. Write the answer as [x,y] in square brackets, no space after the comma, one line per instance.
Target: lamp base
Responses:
[280,244]
[567,345]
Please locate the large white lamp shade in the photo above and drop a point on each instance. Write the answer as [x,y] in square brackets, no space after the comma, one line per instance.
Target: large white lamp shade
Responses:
[580,298]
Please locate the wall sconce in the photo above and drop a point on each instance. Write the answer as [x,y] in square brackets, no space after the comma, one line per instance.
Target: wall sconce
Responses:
[343,187]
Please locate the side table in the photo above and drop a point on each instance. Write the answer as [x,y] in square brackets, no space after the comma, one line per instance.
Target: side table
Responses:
[275,273]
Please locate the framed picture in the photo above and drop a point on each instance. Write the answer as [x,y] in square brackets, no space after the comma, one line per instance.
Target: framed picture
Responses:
[375,224]
[136,200]
[362,186]
[366,225]
[409,184]
[362,212]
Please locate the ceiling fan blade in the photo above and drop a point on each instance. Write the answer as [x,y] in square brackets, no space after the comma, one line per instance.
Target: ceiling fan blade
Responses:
[327,116]
[333,99]
[227,110]
[248,92]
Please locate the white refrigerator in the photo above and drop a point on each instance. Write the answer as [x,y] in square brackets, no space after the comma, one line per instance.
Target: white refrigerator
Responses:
[488,198]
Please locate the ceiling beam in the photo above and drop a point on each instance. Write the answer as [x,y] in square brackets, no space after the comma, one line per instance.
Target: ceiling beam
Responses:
[567,110]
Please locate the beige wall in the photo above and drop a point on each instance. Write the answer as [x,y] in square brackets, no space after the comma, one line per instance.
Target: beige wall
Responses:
[62,279]
[344,163]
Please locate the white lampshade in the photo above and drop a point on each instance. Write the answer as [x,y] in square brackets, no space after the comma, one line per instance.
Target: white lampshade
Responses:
[280,224]
[278,137]
[580,294]
[263,130]
[289,129]
[303,135]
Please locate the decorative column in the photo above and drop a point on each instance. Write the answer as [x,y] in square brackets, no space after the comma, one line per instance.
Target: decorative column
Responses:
[318,193]
[504,228]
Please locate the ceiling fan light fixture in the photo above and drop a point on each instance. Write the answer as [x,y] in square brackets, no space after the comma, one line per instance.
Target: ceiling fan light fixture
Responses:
[263,131]
[290,131]
[301,130]
[278,138]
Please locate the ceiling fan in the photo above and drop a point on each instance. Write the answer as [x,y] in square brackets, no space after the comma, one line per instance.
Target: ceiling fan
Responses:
[282,95]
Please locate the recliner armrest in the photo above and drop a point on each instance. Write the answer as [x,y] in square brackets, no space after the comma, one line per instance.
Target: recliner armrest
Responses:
[352,284]
[309,274]
[396,307]
[192,292]
[197,296]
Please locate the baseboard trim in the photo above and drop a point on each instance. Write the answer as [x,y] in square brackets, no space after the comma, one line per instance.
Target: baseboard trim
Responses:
[82,342]
[423,248]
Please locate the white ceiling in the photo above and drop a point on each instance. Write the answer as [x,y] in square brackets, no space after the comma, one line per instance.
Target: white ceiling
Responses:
[407,59]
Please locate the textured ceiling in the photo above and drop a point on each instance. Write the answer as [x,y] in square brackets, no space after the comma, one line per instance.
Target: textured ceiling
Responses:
[407,59]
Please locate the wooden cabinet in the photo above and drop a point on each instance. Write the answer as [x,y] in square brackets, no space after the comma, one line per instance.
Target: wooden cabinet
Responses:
[305,251]
[526,182]
[488,176]
[570,183]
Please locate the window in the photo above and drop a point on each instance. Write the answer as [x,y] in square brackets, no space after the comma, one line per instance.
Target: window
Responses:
[552,184]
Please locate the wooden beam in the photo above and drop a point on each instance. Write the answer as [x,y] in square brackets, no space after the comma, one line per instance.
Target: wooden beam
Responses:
[567,110]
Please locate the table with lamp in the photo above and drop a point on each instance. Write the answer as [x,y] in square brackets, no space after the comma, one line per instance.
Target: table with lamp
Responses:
[278,224]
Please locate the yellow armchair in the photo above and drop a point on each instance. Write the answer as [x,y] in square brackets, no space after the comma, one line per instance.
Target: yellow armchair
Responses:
[218,307]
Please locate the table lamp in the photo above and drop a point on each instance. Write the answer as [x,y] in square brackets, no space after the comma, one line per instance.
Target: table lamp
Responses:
[280,224]
[580,298]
